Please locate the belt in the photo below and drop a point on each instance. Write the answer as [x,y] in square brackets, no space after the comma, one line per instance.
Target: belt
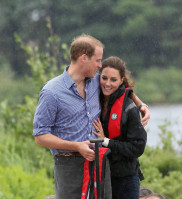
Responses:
[69,154]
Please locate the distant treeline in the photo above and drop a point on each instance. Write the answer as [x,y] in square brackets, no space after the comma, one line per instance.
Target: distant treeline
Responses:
[143,33]
[153,85]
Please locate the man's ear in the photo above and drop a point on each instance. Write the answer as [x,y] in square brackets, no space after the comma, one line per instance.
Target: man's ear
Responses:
[83,57]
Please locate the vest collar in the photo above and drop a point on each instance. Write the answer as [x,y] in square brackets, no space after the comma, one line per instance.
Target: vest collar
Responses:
[115,95]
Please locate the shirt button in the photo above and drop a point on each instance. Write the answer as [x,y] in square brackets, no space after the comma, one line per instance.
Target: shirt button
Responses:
[88,113]
[89,134]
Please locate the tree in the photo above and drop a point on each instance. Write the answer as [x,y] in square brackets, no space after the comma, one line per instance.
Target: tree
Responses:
[149,32]
[17,17]
[143,33]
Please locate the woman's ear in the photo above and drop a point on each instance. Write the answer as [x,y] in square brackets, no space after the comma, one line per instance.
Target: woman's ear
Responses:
[122,79]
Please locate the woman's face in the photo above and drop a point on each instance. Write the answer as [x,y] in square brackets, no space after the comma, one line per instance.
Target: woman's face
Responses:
[110,80]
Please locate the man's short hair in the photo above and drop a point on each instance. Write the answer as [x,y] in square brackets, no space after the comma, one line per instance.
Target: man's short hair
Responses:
[158,196]
[84,44]
[144,191]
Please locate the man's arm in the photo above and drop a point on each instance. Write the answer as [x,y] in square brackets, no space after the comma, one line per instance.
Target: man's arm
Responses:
[143,109]
[52,141]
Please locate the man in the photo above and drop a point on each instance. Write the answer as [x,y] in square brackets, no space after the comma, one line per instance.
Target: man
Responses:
[155,196]
[144,191]
[67,108]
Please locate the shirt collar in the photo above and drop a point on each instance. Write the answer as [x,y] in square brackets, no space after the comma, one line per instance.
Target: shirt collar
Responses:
[68,80]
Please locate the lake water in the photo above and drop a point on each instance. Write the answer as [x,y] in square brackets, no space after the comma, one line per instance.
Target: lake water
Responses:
[159,113]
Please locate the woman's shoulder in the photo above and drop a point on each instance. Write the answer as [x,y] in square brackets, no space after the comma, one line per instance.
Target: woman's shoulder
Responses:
[130,105]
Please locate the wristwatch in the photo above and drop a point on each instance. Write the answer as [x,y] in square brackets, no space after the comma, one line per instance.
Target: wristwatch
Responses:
[142,105]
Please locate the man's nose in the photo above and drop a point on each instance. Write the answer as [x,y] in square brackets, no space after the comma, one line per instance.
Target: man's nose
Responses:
[100,65]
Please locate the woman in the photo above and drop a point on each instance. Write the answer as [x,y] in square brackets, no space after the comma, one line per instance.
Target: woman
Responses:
[121,128]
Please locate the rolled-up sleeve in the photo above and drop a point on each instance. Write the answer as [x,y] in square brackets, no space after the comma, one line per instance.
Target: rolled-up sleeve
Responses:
[45,114]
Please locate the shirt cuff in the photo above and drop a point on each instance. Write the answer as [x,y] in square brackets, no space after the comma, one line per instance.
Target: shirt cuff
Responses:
[106,142]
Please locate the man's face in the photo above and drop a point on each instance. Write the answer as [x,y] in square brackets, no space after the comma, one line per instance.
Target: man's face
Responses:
[94,63]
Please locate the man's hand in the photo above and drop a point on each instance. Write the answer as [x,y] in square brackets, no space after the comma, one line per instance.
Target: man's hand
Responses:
[85,150]
[145,115]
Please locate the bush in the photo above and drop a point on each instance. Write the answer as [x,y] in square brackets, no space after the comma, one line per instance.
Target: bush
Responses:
[162,167]
[26,169]
[16,183]
[157,85]
[17,144]
[14,89]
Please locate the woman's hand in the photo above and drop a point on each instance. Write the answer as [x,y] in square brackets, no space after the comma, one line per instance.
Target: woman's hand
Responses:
[99,130]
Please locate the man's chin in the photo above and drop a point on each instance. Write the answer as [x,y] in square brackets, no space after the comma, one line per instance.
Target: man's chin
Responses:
[91,76]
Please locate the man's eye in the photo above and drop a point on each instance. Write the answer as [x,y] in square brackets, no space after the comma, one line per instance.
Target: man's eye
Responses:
[104,78]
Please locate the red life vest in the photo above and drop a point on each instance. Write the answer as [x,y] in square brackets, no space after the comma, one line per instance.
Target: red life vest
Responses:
[86,187]
[114,126]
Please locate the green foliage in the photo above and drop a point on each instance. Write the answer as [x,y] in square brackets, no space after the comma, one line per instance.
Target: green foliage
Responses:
[18,121]
[16,183]
[150,30]
[143,33]
[45,65]
[17,146]
[16,138]
[16,16]
[162,166]
[158,85]
[14,89]
[26,169]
